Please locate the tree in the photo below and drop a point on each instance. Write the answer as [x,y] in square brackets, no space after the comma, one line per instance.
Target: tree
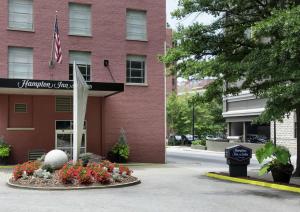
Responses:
[208,115]
[253,42]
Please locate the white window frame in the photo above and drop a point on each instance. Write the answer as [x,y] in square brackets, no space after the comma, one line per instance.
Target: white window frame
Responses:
[12,73]
[73,18]
[137,58]
[12,14]
[81,65]
[142,35]
[70,132]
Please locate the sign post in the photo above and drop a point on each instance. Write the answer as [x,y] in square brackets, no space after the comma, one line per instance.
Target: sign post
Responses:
[238,158]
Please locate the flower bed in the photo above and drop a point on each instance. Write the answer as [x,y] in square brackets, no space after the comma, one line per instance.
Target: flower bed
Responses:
[35,175]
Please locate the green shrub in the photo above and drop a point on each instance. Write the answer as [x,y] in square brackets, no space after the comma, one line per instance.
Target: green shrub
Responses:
[199,142]
[48,168]
[4,149]
[85,158]
[120,151]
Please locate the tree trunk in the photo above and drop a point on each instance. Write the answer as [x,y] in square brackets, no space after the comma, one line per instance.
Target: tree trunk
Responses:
[297,171]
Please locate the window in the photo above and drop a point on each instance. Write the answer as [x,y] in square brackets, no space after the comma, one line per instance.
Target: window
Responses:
[20,108]
[63,104]
[20,14]
[64,137]
[20,63]
[80,19]
[83,61]
[136,69]
[136,25]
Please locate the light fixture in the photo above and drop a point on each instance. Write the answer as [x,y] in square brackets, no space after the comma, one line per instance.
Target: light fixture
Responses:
[106,63]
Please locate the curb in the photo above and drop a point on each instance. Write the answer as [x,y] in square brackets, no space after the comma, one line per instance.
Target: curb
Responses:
[254,182]
[71,188]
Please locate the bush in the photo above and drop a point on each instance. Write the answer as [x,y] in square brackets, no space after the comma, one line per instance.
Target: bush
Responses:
[28,167]
[93,172]
[85,158]
[124,169]
[4,148]
[100,173]
[67,174]
[120,151]
[48,168]
[199,142]
[84,175]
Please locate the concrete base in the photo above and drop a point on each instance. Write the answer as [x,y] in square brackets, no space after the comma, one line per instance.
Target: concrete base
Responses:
[237,171]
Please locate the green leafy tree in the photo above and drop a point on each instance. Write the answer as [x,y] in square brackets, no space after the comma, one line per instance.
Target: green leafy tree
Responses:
[255,42]
[208,115]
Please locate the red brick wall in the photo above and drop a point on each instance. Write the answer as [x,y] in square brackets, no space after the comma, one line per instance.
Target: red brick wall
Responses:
[43,117]
[139,110]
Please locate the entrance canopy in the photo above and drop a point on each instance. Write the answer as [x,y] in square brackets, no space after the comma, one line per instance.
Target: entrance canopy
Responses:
[51,87]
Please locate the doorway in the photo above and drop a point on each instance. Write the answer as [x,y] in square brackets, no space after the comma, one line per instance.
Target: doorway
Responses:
[64,137]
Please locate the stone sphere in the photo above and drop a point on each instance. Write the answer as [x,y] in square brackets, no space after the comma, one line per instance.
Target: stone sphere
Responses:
[56,158]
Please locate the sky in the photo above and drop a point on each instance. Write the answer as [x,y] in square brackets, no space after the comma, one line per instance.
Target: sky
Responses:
[172,5]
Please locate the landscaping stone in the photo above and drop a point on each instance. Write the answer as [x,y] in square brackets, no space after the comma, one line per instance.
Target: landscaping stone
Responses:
[56,158]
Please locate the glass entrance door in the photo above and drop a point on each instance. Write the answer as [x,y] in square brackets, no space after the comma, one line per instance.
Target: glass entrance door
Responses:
[64,138]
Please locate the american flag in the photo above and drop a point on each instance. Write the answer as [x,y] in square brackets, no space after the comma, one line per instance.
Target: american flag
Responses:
[58,53]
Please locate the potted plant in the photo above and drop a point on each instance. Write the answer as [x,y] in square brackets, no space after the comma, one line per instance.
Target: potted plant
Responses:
[279,162]
[4,151]
[120,151]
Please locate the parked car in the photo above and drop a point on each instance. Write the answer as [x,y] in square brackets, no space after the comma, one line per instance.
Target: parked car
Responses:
[217,137]
[174,140]
[187,139]
[255,138]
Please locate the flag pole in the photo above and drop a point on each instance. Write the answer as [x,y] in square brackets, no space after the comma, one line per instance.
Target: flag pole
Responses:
[51,62]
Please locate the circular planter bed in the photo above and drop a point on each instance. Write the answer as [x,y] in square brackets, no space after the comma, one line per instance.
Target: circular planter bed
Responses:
[32,175]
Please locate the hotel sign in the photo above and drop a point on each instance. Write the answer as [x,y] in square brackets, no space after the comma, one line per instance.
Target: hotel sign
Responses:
[238,153]
[57,85]
[46,84]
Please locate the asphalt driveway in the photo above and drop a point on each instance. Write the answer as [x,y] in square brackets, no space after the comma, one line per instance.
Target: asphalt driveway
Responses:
[170,187]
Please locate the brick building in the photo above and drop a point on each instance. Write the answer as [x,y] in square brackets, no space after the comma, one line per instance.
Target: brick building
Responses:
[127,91]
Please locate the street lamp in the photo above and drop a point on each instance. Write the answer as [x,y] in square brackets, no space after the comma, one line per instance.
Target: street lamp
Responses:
[193,119]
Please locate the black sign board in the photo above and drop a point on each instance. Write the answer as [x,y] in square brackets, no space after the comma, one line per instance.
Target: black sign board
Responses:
[238,153]
[59,85]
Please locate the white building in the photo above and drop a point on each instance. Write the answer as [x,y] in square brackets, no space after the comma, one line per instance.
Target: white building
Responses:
[239,112]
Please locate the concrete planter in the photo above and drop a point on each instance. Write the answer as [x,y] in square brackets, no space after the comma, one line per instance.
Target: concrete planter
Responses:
[198,147]
[219,146]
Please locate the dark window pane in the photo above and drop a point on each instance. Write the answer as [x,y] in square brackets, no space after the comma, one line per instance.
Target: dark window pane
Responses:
[137,80]
[63,125]
[136,64]
[84,69]
[70,71]
[136,73]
